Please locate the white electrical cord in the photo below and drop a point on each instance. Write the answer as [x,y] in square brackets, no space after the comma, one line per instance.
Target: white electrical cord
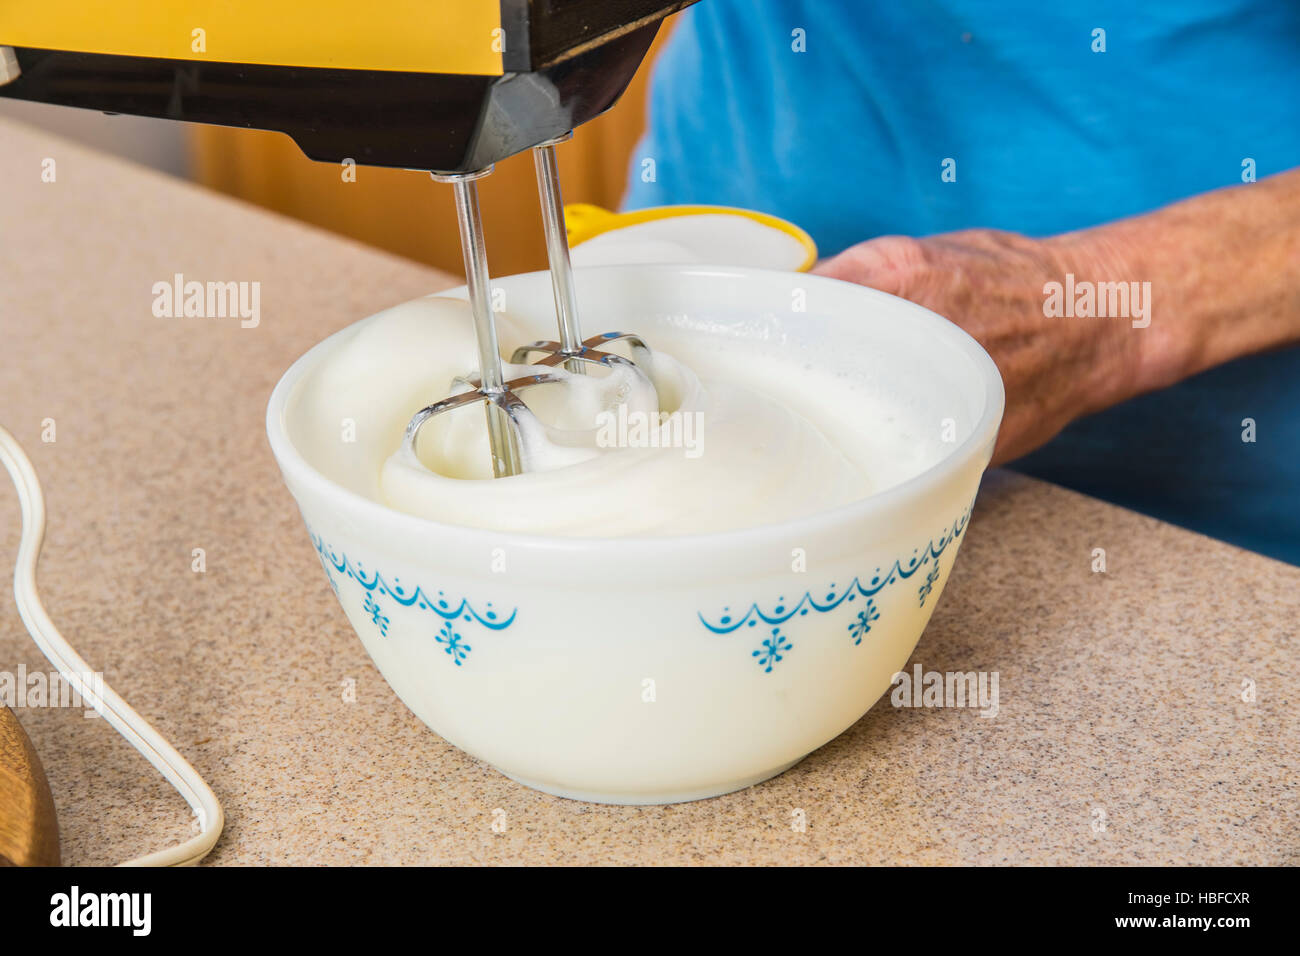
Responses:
[74,670]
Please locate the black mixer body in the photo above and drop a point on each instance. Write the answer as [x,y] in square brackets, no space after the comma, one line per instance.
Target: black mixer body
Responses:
[546,67]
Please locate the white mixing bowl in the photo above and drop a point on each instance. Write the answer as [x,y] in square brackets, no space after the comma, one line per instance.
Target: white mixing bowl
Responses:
[656,670]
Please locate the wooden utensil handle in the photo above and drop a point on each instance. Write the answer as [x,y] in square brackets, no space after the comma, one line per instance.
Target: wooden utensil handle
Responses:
[29,830]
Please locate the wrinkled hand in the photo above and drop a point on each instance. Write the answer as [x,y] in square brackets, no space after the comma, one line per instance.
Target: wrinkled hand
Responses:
[991,284]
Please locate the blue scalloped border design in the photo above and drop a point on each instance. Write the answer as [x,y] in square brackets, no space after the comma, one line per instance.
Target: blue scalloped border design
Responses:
[448,609]
[776,646]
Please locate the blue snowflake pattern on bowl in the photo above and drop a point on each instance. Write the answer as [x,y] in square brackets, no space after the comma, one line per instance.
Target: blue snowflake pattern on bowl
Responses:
[456,645]
[377,616]
[769,652]
[448,610]
[860,625]
[772,649]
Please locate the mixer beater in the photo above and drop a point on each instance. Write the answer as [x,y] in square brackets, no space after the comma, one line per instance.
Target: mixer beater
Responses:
[510,423]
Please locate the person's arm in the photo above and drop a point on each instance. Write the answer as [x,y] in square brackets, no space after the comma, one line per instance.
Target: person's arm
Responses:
[1224,274]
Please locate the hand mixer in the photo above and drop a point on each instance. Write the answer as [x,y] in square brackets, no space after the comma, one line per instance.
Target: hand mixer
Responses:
[450,87]
[445,86]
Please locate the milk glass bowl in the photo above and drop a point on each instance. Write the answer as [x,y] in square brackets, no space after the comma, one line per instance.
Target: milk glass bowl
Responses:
[655,670]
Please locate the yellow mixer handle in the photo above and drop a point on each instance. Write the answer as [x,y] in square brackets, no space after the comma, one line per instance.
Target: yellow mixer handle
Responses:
[583,221]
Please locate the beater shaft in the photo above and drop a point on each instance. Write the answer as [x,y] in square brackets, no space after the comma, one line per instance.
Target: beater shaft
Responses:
[505,451]
[557,248]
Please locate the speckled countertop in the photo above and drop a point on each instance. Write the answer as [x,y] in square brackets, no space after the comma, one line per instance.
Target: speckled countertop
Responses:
[1122,736]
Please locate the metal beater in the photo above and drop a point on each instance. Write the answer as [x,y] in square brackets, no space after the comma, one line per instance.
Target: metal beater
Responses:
[509,420]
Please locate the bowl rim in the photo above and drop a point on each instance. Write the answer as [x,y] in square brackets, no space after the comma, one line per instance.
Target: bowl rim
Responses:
[298,470]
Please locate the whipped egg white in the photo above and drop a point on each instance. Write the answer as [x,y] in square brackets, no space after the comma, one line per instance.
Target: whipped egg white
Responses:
[727,438]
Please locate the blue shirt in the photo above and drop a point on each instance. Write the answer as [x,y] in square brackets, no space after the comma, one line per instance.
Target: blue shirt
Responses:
[841,116]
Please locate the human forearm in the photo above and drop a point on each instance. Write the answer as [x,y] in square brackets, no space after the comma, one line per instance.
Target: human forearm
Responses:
[1224,269]
[1224,274]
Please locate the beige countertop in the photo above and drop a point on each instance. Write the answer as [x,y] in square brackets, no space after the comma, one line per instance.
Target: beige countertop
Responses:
[1121,694]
